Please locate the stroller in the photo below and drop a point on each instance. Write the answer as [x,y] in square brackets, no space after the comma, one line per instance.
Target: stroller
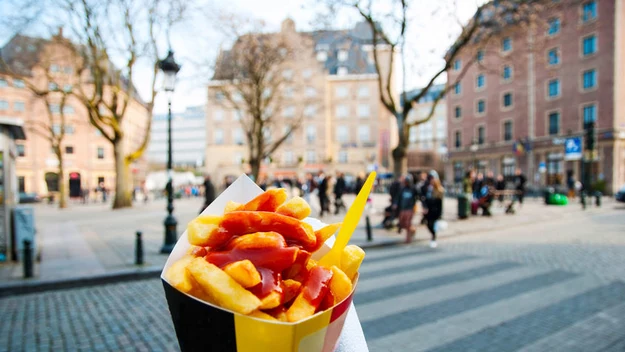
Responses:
[391,217]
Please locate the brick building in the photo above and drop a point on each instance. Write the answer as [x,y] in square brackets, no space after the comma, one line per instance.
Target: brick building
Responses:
[333,83]
[88,156]
[535,85]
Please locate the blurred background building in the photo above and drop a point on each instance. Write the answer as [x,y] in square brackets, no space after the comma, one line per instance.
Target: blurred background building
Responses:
[518,103]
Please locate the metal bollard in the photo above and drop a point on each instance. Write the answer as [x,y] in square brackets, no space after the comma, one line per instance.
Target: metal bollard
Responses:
[139,249]
[28,259]
[368,227]
[598,199]
[582,197]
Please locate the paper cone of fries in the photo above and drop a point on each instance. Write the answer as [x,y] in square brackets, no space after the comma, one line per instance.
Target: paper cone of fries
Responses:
[201,322]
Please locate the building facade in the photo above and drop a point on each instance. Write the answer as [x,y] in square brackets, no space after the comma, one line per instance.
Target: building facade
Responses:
[88,156]
[428,141]
[535,86]
[332,85]
[188,138]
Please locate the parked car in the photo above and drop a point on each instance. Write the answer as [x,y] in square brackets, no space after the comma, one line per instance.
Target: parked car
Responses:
[620,195]
[29,198]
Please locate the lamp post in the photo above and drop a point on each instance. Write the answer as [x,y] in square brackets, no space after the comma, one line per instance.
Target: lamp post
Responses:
[170,68]
[473,148]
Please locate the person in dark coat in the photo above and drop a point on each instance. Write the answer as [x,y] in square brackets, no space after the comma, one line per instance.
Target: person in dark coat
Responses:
[519,184]
[360,181]
[209,192]
[324,201]
[433,207]
[339,190]
[500,185]
[405,203]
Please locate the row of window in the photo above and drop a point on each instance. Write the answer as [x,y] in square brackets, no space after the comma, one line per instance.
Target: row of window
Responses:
[17,83]
[342,135]
[20,106]
[589,114]
[341,112]
[21,151]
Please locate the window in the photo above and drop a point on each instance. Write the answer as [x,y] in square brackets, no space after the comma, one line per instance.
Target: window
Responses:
[310,91]
[506,44]
[590,113]
[218,135]
[480,56]
[219,96]
[342,55]
[288,157]
[481,135]
[67,88]
[287,74]
[289,111]
[288,131]
[310,111]
[237,136]
[506,74]
[69,129]
[289,92]
[341,111]
[68,109]
[219,115]
[457,88]
[267,134]
[341,91]
[56,129]
[311,133]
[342,134]
[589,79]
[458,112]
[56,108]
[18,106]
[311,156]
[20,150]
[237,96]
[343,156]
[589,11]
[480,81]
[68,69]
[363,110]
[507,99]
[53,86]
[554,26]
[21,184]
[3,83]
[307,73]
[458,139]
[554,123]
[322,56]
[363,134]
[363,91]
[457,64]
[54,68]
[100,153]
[507,131]
[69,149]
[17,83]
[554,88]
[4,105]
[481,106]
[553,56]
[341,71]
[238,114]
[589,45]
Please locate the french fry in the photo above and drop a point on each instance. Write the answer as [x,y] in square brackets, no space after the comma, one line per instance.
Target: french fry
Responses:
[231,206]
[222,288]
[205,231]
[298,271]
[197,251]
[267,201]
[351,258]
[243,272]
[300,309]
[178,276]
[340,284]
[295,207]
[324,233]
[311,264]
[246,222]
[258,240]
[290,289]
[272,300]
[313,293]
[262,315]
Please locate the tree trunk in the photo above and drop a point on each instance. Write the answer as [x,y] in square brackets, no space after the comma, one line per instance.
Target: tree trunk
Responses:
[400,160]
[255,168]
[61,180]
[123,196]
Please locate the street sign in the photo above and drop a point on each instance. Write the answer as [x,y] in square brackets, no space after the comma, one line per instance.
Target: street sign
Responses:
[542,167]
[573,148]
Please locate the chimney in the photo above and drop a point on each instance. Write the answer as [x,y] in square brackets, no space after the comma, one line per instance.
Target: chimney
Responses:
[288,25]
[60,32]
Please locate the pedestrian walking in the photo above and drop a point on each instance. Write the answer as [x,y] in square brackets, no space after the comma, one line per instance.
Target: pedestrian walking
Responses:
[360,181]
[339,190]
[324,201]
[433,209]
[519,182]
[209,192]
[570,184]
[391,212]
[406,203]
[500,185]
[478,182]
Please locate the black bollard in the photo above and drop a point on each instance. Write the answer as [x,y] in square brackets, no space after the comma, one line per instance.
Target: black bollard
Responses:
[368,226]
[582,197]
[598,198]
[28,259]
[139,249]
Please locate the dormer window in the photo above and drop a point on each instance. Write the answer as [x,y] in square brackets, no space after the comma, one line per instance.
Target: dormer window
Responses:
[322,56]
[342,55]
[342,71]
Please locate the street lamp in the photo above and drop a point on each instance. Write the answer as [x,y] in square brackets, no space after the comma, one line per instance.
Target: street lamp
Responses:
[170,68]
[474,147]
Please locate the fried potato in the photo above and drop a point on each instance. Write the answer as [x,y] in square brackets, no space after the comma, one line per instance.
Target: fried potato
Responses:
[300,309]
[272,300]
[290,289]
[223,289]
[298,270]
[312,295]
[178,276]
[246,222]
[267,201]
[351,258]
[262,315]
[295,207]
[340,285]
[258,240]
[204,231]
[243,272]
[197,251]
[324,233]
[231,206]
[311,264]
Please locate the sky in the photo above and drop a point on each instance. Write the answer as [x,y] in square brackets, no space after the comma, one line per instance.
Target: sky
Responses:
[433,27]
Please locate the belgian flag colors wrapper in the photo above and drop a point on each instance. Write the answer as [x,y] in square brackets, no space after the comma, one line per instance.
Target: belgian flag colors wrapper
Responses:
[201,326]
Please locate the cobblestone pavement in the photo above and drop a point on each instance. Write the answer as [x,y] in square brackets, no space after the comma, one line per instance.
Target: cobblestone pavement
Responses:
[536,288]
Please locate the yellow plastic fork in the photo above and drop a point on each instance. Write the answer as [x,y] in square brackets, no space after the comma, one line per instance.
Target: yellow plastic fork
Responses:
[333,257]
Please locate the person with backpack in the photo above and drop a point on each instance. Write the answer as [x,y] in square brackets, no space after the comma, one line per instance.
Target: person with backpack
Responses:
[433,207]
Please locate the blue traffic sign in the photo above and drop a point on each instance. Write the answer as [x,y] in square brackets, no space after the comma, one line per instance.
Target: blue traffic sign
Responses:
[573,148]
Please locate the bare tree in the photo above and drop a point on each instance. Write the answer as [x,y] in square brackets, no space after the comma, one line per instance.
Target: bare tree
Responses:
[253,84]
[389,30]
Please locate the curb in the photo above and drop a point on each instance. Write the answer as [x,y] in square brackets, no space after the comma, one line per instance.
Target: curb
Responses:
[26,287]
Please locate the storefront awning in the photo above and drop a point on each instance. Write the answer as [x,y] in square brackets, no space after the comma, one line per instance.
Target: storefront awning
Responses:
[14,125]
